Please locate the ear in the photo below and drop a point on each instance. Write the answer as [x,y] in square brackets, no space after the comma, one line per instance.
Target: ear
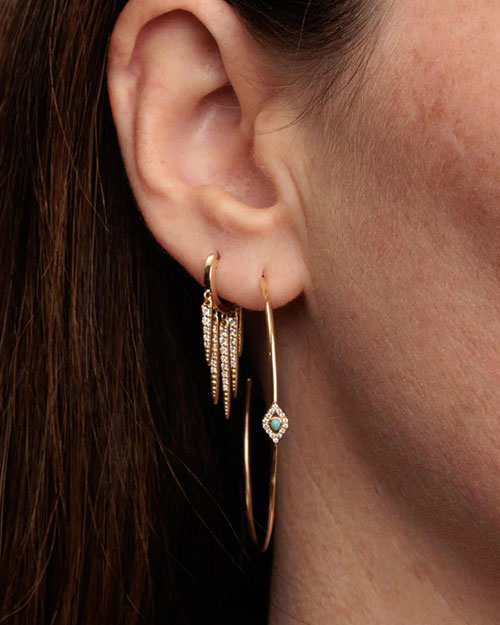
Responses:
[202,138]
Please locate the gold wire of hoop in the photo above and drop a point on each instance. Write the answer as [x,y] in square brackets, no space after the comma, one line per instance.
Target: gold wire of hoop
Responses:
[246,440]
[211,265]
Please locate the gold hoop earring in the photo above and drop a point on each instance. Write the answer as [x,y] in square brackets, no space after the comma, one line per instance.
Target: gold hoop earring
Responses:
[275,424]
[222,325]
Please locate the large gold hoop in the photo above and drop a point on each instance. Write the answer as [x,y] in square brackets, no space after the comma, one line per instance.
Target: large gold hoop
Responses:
[274,430]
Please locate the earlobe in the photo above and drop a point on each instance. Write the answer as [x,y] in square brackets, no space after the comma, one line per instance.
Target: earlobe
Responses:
[190,96]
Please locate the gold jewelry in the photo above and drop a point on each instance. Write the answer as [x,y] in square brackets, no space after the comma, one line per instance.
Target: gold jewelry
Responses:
[222,337]
[275,424]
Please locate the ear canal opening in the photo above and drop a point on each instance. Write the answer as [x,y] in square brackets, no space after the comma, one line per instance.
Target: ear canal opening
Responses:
[226,98]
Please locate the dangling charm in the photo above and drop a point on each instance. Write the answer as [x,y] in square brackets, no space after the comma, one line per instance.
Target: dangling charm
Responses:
[222,327]
[275,422]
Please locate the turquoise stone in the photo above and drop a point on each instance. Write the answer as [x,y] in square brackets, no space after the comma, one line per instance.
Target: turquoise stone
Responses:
[275,424]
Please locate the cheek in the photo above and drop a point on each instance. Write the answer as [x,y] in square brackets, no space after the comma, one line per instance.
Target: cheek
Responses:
[408,276]
[437,131]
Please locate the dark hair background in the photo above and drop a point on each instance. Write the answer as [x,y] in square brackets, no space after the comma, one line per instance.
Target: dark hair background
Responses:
[120,485]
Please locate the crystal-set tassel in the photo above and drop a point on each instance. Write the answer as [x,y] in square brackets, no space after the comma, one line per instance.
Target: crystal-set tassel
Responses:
[207,321]
[225,365]
[234,348]
[222,341]
[214,357]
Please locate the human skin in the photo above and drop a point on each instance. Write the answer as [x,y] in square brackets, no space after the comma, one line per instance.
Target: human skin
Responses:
[404,334]
[386,221]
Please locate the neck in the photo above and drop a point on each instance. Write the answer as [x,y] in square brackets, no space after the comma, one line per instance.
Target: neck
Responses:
[348,549]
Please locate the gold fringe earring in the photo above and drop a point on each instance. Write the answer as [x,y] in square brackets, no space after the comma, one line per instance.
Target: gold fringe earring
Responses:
[222,326]
[275,424]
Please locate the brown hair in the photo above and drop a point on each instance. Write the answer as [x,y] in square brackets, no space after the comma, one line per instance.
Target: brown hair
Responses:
[114,506]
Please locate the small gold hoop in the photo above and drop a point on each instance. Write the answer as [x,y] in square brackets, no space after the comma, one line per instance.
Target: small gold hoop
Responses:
[222,328]
[211,265]
[274,437]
